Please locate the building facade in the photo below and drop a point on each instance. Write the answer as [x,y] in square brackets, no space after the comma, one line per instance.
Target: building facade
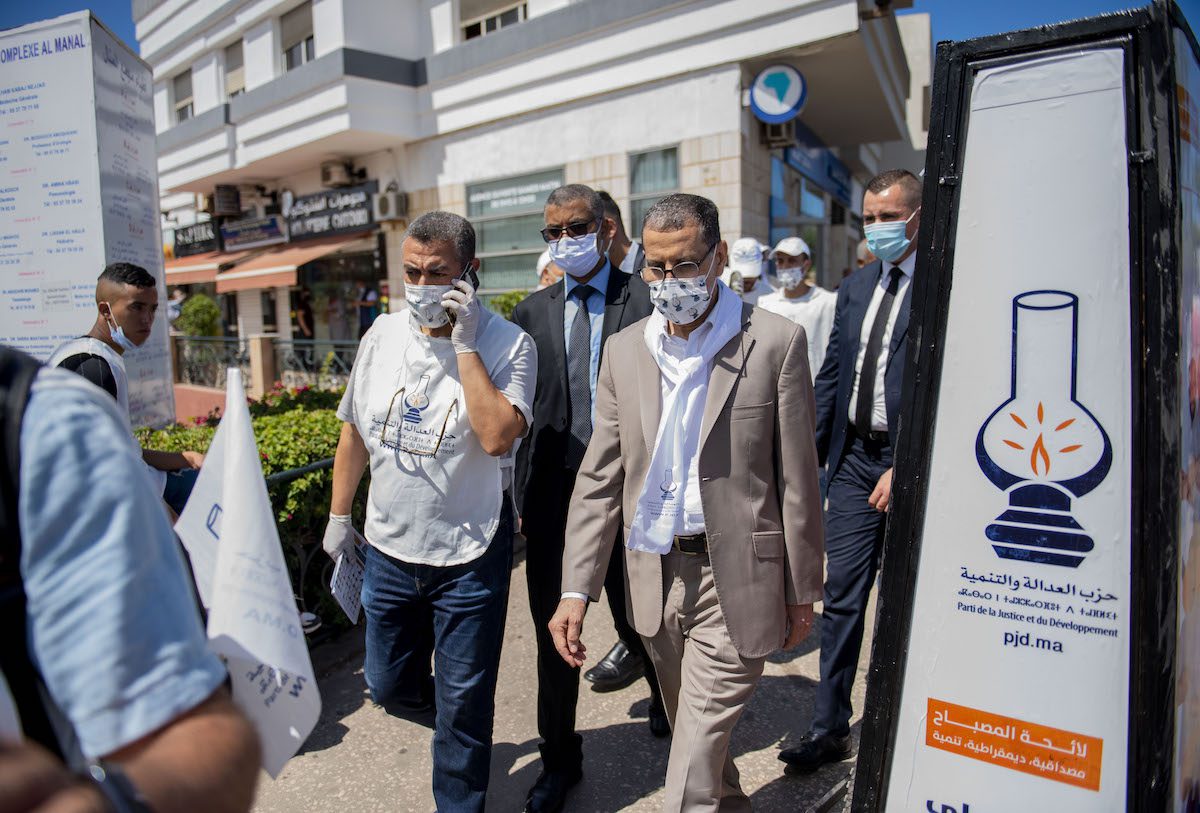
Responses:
[307,134]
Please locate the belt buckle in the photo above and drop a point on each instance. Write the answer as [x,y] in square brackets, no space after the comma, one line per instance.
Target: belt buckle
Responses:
[677,544]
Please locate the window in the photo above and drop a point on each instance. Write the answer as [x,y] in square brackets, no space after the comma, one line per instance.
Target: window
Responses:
[492,21]
[181,88]
[296,36]
[235,74]
[507,215]
[652,176]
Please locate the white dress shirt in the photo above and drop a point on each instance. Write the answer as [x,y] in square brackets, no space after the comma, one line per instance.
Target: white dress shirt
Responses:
[879,416]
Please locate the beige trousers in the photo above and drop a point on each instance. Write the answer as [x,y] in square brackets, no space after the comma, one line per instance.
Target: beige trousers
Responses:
[705,685]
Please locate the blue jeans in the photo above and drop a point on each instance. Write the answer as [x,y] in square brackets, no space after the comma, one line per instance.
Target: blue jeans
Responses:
[456,616]
[179,488]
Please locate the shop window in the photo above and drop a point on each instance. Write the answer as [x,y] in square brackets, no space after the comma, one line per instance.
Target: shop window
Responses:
[269,320]
[296,36]
[652,176]
[490,21]
[181,92]
[235,72]
[507,215]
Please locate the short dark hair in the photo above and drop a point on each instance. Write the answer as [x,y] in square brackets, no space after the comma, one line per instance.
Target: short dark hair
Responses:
[910,183]
[677,211]
[577,191]
[611,209]
[127,274]
[445,227]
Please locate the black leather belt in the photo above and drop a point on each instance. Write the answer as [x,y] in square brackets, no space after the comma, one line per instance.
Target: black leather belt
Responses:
[693,544]
[871,437]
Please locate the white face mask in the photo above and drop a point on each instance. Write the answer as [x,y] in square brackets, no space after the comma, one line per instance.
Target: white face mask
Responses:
[425,303]
[682,300]
[789,278]
[576,256]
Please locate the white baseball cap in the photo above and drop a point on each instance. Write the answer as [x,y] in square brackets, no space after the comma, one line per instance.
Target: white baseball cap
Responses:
[793,247]
[746,257]
[542,262]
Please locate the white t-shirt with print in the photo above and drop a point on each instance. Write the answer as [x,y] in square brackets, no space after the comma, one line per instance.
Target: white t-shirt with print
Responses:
[814,313]
[435,495]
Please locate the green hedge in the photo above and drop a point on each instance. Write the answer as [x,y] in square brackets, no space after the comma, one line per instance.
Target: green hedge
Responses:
[292,428]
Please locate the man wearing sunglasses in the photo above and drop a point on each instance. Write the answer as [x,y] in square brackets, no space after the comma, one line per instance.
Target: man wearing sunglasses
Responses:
[438,398]
[570,322]
[704,453]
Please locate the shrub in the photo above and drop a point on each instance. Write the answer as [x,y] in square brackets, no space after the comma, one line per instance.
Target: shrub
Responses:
[505,304]
[199,316]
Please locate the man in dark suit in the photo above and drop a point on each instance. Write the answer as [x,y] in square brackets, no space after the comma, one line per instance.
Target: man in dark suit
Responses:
[625,253]
[570,322]
[858,402]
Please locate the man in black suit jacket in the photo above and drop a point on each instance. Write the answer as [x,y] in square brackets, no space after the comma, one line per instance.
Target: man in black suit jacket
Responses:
[569,322]
[858,402]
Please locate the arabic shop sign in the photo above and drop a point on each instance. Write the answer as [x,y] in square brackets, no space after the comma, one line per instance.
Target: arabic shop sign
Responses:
[332,212]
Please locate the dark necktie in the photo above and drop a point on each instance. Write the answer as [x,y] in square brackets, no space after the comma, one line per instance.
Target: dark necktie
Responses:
[579,377]
[866,380]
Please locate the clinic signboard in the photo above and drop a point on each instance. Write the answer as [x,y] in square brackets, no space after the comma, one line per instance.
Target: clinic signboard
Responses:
[80,190]
[335,211]
[254,232]
[1029,591]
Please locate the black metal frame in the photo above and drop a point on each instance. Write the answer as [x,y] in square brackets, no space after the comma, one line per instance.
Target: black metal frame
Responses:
[1146,36]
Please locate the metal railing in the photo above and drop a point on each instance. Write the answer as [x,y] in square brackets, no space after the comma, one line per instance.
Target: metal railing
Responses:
[321,364]
[203,360]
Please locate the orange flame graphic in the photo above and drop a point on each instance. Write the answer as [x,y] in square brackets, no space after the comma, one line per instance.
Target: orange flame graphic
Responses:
[1039,450]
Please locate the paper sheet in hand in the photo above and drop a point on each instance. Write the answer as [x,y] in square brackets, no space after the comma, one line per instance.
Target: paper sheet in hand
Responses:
[346,584]
[229,530]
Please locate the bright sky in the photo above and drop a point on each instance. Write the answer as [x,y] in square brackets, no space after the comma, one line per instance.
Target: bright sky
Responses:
[951,19]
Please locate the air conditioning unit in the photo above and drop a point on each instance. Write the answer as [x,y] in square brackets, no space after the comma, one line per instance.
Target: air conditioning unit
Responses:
[335,173]
[779,135]
[390,206]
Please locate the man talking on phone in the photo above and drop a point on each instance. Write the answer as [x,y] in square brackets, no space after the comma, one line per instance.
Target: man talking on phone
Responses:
[437,401]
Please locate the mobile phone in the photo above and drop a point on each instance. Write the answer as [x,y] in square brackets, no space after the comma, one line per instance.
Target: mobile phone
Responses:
[470,276]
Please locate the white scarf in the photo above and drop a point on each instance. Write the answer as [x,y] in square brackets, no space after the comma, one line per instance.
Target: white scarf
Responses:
[661,502]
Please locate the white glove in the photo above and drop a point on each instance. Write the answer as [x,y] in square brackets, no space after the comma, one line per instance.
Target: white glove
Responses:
[340,536]
[466,309]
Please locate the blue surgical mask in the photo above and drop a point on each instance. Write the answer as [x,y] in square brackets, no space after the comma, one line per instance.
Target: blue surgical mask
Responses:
[118,333]
[888,241]
[576,256]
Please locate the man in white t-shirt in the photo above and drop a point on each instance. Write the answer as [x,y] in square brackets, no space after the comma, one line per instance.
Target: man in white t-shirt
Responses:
[806,304]
[437,402]
[126,301]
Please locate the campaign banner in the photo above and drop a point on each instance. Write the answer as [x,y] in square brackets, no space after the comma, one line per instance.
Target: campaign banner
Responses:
[1016,684]
[79,191]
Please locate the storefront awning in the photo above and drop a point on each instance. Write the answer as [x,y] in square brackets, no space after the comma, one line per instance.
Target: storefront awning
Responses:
[200,267]
[278,267]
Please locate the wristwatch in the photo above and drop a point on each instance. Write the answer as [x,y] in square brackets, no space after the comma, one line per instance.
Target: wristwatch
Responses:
[117,789]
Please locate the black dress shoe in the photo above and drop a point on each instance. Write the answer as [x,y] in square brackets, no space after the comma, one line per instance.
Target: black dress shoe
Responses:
[616,670]
[549,792]
[660,726]
[814,751]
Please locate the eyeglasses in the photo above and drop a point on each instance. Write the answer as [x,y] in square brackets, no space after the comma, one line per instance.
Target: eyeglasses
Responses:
[686,270]
[553,233]
[396,442]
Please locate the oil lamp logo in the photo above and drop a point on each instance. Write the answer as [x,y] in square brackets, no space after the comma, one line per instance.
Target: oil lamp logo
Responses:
[1041,446]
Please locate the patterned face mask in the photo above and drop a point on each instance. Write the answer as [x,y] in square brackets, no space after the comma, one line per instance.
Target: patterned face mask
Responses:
[682,300]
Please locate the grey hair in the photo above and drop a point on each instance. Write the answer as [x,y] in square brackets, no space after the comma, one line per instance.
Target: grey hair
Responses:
[445,227]
[680,210]
[572,192]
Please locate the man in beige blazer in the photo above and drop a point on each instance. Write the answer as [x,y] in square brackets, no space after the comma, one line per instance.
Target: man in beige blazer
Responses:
[703,451]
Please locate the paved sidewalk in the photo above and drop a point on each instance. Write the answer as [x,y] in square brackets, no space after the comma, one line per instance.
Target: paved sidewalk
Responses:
[360,760]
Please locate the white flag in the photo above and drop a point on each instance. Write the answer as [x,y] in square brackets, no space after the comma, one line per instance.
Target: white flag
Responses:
[229,531]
